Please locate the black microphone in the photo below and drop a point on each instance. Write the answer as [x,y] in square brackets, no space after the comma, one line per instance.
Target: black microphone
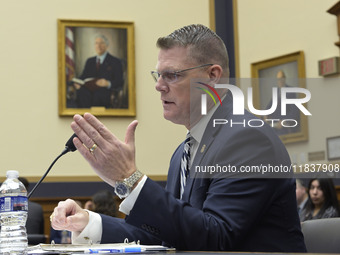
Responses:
[69,146]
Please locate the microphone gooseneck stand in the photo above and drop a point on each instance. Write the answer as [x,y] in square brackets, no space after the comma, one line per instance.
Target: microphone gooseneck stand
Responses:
[69,146]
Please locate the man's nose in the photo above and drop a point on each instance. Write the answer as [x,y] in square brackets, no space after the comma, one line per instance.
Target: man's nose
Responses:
[161,85]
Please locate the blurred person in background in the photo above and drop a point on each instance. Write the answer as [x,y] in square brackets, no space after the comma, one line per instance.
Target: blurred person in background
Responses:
[322,200]
[301,195]
[102,202]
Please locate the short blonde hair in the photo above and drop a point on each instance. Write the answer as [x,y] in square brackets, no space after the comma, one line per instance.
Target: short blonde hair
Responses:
[205,46]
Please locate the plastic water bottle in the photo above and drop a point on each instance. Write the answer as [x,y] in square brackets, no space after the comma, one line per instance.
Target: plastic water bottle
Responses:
[13,215]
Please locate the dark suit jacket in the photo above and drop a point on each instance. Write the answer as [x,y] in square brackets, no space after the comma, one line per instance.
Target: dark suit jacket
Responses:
[111,69]
[227,214]
[35,219]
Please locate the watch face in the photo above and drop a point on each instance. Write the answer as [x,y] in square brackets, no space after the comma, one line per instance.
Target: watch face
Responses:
[121,189]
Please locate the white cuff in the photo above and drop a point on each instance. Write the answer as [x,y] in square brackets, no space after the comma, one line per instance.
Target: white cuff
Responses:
[127,204]
[92,231]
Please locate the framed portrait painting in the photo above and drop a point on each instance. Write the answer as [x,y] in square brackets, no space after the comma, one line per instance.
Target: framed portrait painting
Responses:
[333,148]
[96,68]
[276,83]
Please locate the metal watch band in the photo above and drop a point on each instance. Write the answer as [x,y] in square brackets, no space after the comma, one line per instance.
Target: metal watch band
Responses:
[130,181]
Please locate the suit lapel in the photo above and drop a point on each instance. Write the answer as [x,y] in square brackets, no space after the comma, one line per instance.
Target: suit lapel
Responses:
[173,181]
[208,137]
[192,176]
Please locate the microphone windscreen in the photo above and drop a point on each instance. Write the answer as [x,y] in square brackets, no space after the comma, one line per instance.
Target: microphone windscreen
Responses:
[69,144]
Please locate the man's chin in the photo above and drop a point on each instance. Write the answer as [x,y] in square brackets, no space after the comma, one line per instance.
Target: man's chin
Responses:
[171,118]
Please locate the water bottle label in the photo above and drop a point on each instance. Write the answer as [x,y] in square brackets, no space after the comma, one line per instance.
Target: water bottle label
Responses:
[13,204]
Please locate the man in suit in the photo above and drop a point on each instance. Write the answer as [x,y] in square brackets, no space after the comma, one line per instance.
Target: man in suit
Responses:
[215,213]
[107,73]
[301,195]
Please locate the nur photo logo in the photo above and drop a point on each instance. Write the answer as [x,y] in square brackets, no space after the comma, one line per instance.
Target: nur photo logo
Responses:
[281,101]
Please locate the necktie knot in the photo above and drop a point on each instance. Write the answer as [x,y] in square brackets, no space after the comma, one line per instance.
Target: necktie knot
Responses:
[187,144]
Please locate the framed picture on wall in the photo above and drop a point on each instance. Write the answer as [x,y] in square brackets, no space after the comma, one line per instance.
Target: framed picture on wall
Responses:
[96,68]
[333,148]
[271,80]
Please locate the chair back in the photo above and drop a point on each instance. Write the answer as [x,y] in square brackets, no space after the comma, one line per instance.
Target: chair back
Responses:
[322,235]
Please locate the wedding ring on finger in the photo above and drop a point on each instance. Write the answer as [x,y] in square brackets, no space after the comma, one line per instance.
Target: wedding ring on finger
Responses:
[94,146]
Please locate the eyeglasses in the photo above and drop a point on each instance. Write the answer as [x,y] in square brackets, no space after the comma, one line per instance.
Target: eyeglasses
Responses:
[171,77]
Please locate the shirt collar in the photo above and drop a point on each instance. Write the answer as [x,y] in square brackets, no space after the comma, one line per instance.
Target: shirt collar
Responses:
[102,57]
[197,131]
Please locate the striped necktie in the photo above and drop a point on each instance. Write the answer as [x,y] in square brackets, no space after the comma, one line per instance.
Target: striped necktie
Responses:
[98,64]
[185,163]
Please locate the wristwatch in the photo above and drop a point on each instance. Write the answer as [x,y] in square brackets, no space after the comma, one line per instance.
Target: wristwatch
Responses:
[123,188]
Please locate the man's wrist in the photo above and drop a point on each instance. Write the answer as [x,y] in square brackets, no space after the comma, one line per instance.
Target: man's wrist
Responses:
[124,188]
[136,183]
[128,203]
[92,231]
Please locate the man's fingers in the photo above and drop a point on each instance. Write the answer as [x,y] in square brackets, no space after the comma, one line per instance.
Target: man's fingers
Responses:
[84,150]
[70,223]
[99,128]
[87,130]
[68,215]
[58,217]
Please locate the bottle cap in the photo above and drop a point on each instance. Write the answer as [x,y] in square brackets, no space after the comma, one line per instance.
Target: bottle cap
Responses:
[12,174]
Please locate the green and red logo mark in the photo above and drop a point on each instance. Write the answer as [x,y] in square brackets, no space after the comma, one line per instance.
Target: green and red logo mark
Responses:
[209,93]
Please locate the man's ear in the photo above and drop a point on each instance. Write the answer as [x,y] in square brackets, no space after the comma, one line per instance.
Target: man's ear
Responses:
[215,73]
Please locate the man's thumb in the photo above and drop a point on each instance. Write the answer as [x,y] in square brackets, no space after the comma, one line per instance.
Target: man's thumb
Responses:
[130,132]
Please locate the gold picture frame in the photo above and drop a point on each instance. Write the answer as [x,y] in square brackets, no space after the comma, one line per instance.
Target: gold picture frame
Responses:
[106,88]
[289,71]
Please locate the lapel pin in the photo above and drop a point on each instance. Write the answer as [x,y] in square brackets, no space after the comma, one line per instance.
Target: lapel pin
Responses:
[203,148]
